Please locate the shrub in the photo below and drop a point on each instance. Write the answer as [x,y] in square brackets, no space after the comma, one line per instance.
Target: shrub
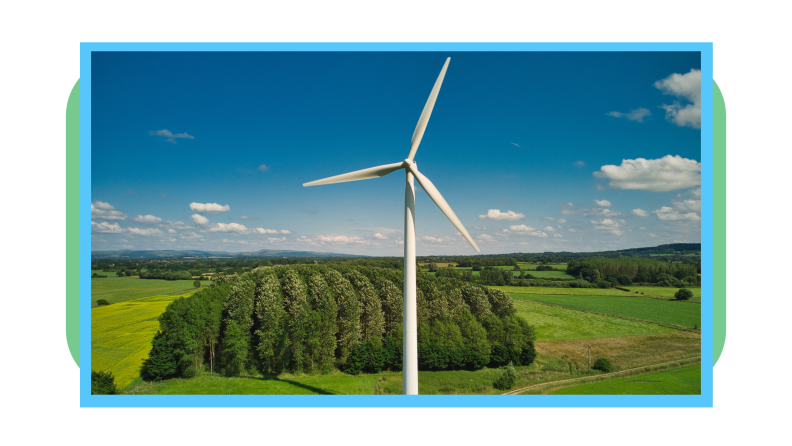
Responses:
[102,302]
[365,357]
[507,379]
[197,284]
[603,365]
[102,383]
[683,294]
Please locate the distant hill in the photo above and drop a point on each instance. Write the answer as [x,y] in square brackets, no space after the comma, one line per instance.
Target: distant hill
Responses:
[164,253]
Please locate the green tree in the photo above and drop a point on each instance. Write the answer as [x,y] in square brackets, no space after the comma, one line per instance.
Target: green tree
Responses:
[507,379]
[161,362]
[102,383]
[235,349]
[102,302]
[603,365]
[683,294]
[197,284]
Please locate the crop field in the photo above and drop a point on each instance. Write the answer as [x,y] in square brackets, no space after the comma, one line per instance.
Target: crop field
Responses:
[546,290]
[554,323]
[653,310]
[550,275]
[680,381]
[121,335]
[665,292]
[120,289]
[626,352]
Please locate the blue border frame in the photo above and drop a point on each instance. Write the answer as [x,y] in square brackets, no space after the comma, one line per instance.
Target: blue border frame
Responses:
[703,400]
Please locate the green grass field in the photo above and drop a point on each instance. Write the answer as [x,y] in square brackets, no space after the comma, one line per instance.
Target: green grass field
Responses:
[553,323]
[680,381]
[121,335]
[665,292]
[653,310]
[550,275]
[546,290]
[120,289]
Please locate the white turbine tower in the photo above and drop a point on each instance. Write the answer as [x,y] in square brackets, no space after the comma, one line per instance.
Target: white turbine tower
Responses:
[410,366]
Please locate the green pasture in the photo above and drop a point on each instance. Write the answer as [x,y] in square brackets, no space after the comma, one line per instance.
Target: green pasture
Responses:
[553,323]
[545,290]
[653,310]
[662,291]
[550,275]
[680,381]
[121,335]
[120,289]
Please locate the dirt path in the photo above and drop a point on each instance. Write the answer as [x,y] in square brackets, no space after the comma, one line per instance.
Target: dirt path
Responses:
[613,375]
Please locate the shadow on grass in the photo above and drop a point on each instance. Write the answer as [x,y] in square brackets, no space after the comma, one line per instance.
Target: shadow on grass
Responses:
[293,383]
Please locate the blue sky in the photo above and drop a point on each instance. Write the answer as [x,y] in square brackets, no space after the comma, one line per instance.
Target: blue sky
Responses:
[534,151]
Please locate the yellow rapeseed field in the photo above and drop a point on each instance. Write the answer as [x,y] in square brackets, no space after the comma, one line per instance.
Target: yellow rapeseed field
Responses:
[121,335]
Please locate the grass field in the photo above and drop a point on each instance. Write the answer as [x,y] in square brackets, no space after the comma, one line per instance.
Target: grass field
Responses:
[626,352]
[554,323]
[661,291]
[546,290]
[680,381]
[653,310]
[550,275]
[121,335]
[120,289]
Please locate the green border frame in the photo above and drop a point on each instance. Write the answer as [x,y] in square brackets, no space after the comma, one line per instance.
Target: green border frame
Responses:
[718,223]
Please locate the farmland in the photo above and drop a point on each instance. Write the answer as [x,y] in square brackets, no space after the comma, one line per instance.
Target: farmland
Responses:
[653,310]
[680,381]
[121,335]
[119,289]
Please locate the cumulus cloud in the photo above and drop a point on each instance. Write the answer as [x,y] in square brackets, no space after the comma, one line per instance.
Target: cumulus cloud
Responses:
[199,219]
[603,203]
[263,168]
[657,175]
[191,236]
[170,136]
[636,115]
[669,213]
[209,208]
[229,227]
[145,231]
[245,217]
[276,240]
[342,239]
[106,211]
[557,235]
[571,209]
[686,110]
[549,229]
[608,225]
[487,238]
[688,205]
[430,239]
[148,219]
[380,236]
[106,227]
[640,212]
[561,220]
[549,218]
[271,231]
[521,228]
[496,214]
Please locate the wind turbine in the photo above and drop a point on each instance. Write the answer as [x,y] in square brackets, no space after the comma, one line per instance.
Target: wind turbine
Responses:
[410,366]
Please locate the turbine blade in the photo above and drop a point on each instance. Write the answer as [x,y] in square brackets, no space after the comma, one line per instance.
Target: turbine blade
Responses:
[434,194]
[427,112]
[365,174]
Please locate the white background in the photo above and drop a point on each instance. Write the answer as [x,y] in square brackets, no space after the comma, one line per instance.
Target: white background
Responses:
[40,63]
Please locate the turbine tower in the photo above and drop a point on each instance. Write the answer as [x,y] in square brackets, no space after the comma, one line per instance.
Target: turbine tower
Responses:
[410,366]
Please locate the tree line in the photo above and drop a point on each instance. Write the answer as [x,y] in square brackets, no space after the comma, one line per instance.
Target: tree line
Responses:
[314,318]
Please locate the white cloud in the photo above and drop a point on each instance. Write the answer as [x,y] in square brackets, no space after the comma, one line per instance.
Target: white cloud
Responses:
[229,227]
[342,239]
[171,231]
[429,238]
[191,236]
[686,87]
[549,218]
[496,214]
[669,213]
[199,219]
[636,115]
[480,228]
[271,231]
[380,236]
[263,168]
[521,228]
[580,163]
[276,240]
[657,175]
[557,235]
[603,203]
[549,229]
[106,227]
[209,208]
[245,217]
[171,137]
[608,225]
[148,219]
[562,220]
[571,209]
[688,205]
[640,212]
[487,238]
[106,211]
[145,231]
